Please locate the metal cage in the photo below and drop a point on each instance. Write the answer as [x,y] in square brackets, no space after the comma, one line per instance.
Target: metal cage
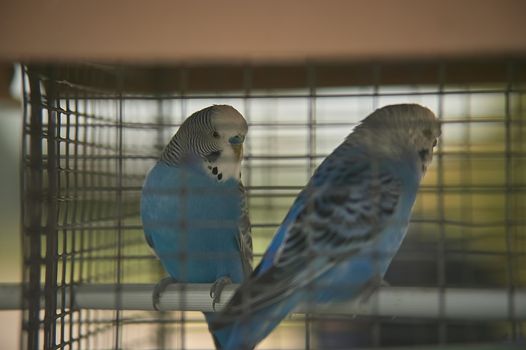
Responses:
[91,132]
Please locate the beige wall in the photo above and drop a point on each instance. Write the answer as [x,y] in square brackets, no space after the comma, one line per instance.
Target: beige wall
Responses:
[155,30]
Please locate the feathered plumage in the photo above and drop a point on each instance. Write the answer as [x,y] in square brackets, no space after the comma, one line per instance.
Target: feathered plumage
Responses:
[193,204]
[344,227]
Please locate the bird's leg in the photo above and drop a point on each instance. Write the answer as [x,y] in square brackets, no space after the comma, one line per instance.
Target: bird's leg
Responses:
[371,287]
[159,289]
[217,289]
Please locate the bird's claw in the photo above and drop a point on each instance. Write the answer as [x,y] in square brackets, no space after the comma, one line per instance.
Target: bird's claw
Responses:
[159,288]
[217,289]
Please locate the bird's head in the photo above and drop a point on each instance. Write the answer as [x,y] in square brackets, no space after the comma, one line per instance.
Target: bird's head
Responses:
[229,131]
[215,135]
[400,130]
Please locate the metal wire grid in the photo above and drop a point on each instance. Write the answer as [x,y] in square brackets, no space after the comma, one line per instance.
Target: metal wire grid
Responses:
[73,209]
[87,149]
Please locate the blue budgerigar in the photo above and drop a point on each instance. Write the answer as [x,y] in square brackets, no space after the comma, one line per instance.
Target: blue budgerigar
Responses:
[193,203]
[344,228]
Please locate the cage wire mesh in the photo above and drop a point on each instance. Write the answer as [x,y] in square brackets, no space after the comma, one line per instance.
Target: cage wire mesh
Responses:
[91,132]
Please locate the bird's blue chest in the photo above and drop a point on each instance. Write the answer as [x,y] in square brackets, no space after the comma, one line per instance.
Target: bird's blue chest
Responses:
[191,220]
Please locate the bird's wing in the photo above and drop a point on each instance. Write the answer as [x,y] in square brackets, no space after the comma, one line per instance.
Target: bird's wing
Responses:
[245,234]
[336,219]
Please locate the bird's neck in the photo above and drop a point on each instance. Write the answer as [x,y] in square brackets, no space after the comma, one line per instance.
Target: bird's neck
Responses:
[173,153]
[380,144]
[224,170]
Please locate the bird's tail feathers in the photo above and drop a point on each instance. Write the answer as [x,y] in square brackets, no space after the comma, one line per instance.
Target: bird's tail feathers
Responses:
[247,331]
[220,338]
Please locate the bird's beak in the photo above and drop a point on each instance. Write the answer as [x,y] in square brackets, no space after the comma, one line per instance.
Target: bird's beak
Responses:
[237,145]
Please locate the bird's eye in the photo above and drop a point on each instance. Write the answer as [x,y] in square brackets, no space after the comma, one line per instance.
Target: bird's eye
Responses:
[434,143]
[215,134]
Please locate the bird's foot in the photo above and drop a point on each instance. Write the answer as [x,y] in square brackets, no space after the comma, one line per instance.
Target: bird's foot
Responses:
[372,287]
[217,289]
[159,289]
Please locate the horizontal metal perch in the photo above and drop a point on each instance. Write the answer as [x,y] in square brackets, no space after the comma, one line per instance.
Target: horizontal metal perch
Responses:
[448,303]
